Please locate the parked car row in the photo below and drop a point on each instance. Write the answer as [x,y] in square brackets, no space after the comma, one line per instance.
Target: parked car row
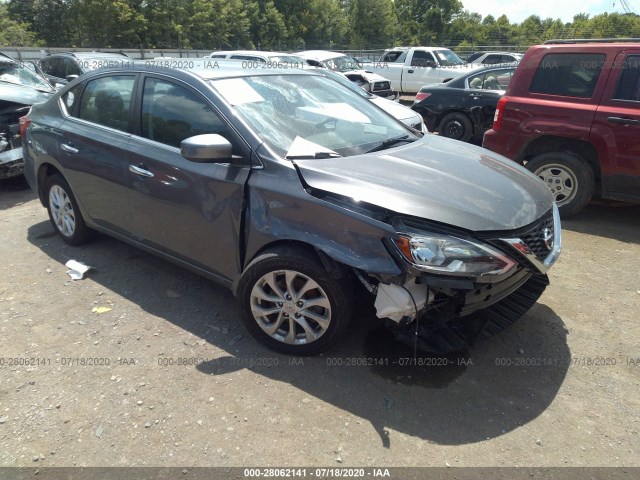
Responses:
[292,188]
[334,61]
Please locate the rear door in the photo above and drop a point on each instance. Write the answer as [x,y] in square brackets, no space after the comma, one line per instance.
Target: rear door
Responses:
[482,95]
[616,129]
[191,211]
[92,146]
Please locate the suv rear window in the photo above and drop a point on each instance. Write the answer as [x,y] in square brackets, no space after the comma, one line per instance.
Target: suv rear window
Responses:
[568,74]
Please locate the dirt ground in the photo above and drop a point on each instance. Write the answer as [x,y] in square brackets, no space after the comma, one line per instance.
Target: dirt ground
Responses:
[122,388]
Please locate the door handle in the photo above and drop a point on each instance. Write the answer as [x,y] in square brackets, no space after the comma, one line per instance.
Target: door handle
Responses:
[140,171]
[623,121]
[68,148]
[409,71]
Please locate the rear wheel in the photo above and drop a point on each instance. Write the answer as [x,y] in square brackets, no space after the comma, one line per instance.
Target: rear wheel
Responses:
[570,179]
[457,126]
[63,211]
[291,304]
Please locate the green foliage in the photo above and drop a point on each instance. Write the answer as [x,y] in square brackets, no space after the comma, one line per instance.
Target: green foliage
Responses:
[14,31]
[373,21]
[284,24]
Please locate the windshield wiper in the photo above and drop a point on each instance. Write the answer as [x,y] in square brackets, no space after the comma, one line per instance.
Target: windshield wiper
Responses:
[317,155]
[390,142]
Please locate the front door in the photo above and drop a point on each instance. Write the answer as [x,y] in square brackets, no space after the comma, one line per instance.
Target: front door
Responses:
[189,210]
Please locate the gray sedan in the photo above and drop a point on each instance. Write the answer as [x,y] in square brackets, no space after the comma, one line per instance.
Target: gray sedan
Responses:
[292,190]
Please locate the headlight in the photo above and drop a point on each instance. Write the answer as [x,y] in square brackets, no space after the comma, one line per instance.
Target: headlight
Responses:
[449,255]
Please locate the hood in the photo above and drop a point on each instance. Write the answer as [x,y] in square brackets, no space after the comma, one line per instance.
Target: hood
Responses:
[367,75]
[437,179]
[396,110]
[21,94]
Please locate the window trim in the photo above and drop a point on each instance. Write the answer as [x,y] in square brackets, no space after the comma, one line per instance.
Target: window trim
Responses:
[242,143]
[73,114]
[619,79]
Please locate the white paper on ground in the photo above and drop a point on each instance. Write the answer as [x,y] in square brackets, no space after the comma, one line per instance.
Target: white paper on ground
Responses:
[77,269]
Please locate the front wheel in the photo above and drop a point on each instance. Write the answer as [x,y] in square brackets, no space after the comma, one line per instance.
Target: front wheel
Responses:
[457,126]
[570,179]
[290,303]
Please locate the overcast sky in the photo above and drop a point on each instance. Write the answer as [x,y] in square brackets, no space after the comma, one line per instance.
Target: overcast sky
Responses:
[518,10]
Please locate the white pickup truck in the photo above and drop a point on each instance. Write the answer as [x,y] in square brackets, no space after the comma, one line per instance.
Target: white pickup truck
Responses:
[409,68]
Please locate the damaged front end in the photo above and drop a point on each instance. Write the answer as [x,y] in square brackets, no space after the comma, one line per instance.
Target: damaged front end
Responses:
[21,86]
[456,291]
[372,83]
[11,161]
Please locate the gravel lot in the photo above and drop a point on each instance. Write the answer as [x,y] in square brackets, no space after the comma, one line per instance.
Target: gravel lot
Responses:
[82,388]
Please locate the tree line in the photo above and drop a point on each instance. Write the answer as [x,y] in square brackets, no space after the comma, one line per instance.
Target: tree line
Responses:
[283,24]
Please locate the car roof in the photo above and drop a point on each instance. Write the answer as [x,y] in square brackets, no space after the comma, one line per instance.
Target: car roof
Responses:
[319,54]
[90,54]
[257,53]
[502,53]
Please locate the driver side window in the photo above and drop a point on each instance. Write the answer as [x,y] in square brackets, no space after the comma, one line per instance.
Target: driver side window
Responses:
[422,59]
[171,113]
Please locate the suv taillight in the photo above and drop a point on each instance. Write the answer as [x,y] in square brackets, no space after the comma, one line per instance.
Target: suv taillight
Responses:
[24,123]
[499,115]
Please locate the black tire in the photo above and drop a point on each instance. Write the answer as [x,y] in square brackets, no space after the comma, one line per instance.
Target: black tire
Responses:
[570,178]
[457,126]
[304,263]
[79,233]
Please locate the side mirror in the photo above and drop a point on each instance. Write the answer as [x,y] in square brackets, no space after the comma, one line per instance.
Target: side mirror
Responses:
[71,78]
[208,148]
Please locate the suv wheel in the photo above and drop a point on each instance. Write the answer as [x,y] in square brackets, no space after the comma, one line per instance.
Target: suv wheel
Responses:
[569,178]
[64,212]
[457,126]
[290,304]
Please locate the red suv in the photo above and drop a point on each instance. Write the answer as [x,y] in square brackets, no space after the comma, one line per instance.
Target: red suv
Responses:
[571,115]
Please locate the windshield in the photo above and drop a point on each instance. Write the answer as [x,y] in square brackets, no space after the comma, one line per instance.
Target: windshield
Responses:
[287,59]
[311,116]
[20,75]
[343,63]
[447,58]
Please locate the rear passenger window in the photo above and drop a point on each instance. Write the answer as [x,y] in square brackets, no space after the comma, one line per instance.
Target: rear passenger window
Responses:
[628,87]
[171,113]
[568,74]
[106,101]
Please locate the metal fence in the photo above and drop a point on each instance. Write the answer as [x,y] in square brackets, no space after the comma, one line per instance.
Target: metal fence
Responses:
[36,53]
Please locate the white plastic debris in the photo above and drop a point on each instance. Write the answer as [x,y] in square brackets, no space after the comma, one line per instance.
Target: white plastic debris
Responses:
[396,302]
[77,269]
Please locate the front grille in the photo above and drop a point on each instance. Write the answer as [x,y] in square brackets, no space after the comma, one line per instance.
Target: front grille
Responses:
[536,238]
[381,86]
